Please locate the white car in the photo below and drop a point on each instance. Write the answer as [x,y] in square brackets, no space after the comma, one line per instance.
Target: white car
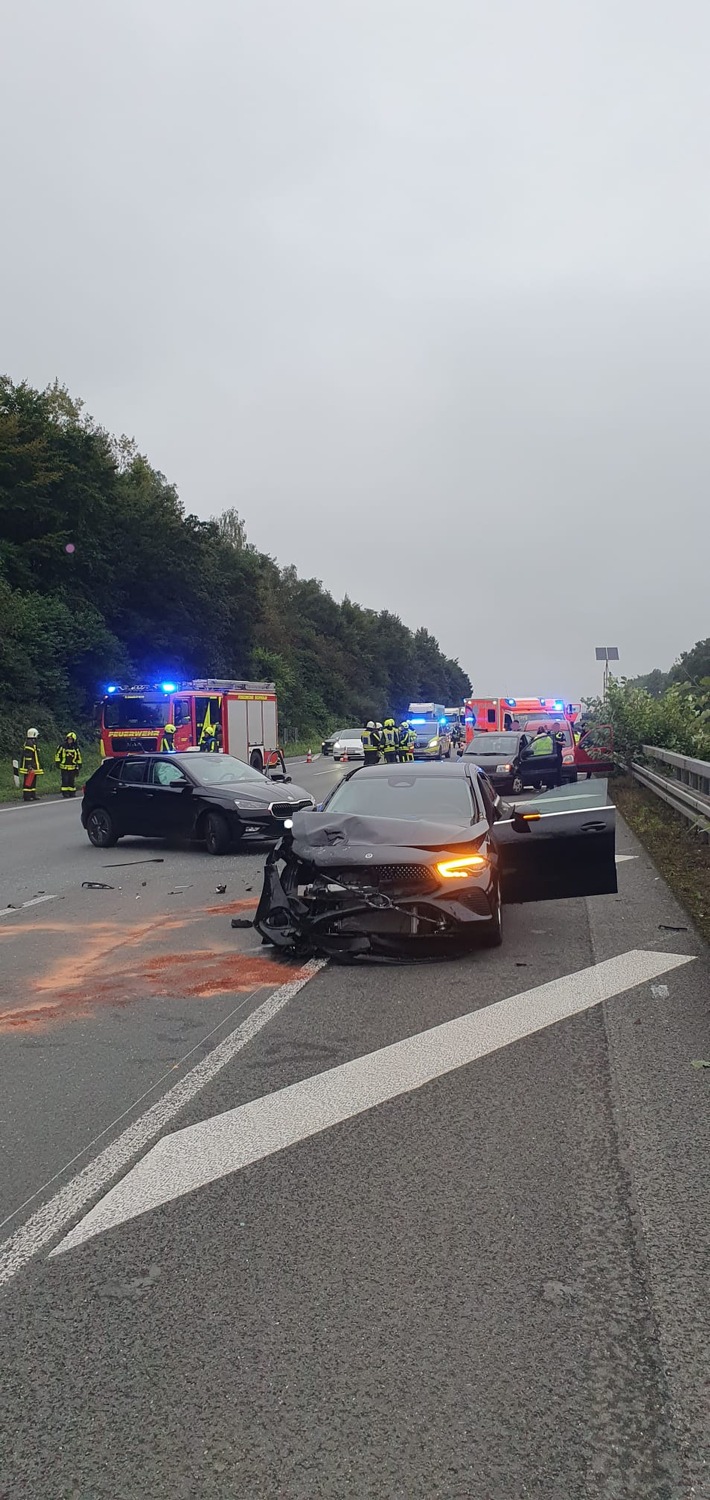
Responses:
[350,746]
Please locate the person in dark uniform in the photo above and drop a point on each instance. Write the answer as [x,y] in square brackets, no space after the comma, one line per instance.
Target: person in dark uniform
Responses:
[370,743]
[559,745]
[390,748]
[30,767]
[68,759]
[167,741]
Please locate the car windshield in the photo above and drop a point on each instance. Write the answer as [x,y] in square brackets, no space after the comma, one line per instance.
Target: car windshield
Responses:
[350,734]
[212,770]
[444,799]
[493,744]
[430,727]
[135,713]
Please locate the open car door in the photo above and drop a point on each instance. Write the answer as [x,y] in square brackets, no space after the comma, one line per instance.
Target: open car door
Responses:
[557,844]
[595,751]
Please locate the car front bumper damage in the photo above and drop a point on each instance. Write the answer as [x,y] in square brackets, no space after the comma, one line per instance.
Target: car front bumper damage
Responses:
[306,909]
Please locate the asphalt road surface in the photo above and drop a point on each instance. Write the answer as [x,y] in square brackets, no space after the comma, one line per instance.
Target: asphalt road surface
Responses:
[275,1231]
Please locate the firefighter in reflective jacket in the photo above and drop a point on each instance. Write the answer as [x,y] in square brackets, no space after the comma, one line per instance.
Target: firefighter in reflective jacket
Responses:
[68,758]
[370,743]
[407,741]
[30,767]
[167,740]
[390,746]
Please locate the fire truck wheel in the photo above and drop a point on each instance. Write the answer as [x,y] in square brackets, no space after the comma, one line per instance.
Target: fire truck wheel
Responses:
[216,833]
[256,760]
[100,829]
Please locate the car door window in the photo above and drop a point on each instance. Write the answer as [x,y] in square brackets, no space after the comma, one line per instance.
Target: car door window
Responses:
[134,770]
[166,773]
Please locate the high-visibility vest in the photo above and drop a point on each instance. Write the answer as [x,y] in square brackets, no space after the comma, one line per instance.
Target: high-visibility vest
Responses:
[390,740]
[68,758]
[370,741]
[542,745]
[30,759]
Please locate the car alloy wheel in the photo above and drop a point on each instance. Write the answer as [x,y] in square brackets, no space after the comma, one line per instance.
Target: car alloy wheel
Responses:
[518,786]
[99,826]
[216,833]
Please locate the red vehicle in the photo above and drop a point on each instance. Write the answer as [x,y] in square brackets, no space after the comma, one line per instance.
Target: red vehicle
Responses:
[245,715]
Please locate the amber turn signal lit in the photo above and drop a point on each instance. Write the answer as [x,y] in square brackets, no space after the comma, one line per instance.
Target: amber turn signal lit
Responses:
[453,869]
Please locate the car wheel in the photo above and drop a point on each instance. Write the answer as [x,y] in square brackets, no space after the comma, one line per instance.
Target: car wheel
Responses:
[517,786]
[99,826]
[493,935]
[256,760]
[216,833]
[571,779]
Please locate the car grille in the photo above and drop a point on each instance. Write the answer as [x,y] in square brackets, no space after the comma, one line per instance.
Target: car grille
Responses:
[414,879]
[287,809]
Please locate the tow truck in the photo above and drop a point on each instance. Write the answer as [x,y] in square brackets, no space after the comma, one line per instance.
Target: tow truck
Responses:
[133,718]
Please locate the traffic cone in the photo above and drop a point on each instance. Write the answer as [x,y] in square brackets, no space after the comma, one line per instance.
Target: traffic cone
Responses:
[343,758]
[309,757]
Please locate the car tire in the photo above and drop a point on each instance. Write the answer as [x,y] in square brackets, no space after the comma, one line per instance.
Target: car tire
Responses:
[517,786]
[100,828]
[570,780]
[493,935]
[216,833]
[256,760]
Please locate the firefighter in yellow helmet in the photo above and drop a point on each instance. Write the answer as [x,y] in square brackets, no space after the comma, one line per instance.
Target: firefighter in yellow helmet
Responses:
[68,759]
[390,742]
[407,739]
[167,738]
[30,767]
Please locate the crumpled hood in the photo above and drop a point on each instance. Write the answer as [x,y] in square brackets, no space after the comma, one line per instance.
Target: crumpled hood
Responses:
[325,838]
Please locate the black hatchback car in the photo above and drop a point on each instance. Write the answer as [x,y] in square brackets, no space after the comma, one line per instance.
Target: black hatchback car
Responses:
[215,799]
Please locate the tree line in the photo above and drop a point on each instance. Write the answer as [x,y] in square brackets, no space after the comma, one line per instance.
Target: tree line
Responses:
[104,577]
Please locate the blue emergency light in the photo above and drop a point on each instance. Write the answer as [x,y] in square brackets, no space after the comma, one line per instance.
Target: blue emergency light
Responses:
[112,688]
[169,687]
[417,721]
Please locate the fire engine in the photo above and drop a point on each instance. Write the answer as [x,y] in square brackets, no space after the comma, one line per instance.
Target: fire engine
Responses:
[245,713]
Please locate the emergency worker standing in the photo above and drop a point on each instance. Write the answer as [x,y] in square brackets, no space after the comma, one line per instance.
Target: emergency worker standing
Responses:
[68,759]
[542,743]
[457,738]
[405,737]
[370,743]
[390,747]
[167,742]
[560,743]
[30,767]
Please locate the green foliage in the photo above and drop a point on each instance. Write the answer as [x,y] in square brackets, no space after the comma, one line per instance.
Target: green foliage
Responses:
[149,591]
[678,720]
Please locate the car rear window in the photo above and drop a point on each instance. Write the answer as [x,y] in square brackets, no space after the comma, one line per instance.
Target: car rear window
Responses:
[445,799]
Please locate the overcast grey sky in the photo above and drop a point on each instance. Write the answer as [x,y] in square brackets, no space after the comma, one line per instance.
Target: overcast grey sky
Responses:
[421,288]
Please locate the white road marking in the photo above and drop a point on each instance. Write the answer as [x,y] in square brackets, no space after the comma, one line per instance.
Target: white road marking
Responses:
[620,858]
[53,1217]
[11,911]
[214,1148]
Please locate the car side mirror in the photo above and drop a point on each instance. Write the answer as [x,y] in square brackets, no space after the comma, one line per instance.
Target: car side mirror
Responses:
[185,786]
[521,821]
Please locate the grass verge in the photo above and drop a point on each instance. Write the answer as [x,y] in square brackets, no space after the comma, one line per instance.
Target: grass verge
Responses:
[679,856]
[50,783]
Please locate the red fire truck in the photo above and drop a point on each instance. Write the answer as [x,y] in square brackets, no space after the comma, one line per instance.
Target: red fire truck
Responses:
[133,718]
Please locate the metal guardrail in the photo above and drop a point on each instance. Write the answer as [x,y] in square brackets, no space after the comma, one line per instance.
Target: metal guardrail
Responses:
[682,782]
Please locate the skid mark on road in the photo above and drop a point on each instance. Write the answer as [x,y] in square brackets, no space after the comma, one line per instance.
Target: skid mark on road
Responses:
[112,963]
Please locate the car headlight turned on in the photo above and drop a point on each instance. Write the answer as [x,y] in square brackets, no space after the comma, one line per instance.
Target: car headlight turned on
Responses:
[432,744]
[456,869]
[504,768]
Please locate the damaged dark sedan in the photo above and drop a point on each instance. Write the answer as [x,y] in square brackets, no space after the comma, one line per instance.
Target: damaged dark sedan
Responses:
[421,858]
